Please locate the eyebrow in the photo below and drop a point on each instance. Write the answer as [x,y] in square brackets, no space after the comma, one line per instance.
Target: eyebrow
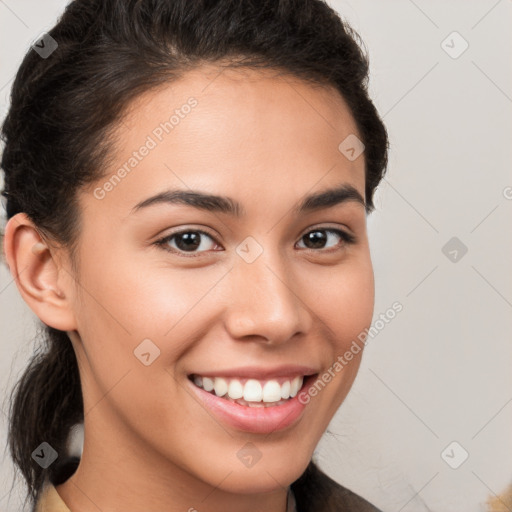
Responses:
[221,204]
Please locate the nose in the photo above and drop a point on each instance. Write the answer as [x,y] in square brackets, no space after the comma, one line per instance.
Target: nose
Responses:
[264,304]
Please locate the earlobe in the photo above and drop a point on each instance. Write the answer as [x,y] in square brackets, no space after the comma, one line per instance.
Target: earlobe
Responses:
[35,267]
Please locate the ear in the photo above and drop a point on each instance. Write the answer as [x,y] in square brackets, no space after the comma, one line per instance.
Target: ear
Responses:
[45,285]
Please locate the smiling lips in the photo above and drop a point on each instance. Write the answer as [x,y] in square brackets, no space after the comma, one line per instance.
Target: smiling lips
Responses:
[251,392]
[255,415]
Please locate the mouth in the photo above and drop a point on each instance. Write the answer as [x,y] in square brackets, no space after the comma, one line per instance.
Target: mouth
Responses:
[253,392]
[252,405]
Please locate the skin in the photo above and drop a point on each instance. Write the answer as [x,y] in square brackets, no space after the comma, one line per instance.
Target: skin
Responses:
[266,141]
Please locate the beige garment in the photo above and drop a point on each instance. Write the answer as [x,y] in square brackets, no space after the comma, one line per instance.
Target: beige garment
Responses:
[50,500]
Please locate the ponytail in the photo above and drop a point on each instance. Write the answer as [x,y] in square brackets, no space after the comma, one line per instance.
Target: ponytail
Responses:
[44,404]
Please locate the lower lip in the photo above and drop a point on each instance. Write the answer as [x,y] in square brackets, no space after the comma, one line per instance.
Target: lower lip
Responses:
[258,420]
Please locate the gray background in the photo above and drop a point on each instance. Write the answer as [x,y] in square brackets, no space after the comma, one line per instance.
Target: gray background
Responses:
[439,372]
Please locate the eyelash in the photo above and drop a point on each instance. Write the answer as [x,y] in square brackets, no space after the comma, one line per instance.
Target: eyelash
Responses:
[162,242]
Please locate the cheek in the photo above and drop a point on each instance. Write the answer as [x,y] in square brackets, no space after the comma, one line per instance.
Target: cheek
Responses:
[344,306]
[345,301]
[141,300]
[122,308]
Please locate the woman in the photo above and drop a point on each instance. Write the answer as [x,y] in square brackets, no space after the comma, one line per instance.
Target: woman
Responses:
[187,187]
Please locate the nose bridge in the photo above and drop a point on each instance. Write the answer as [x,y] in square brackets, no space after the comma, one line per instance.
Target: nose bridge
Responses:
[265,304]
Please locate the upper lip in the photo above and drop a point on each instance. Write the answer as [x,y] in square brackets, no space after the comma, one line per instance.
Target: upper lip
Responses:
[260,372]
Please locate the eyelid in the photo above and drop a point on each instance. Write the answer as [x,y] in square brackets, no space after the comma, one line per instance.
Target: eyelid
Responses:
[343,229]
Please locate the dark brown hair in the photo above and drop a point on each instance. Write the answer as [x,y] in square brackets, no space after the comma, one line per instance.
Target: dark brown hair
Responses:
[56,137]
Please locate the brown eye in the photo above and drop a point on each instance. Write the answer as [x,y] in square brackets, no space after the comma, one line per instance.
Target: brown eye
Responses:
[187,241]
[318,238]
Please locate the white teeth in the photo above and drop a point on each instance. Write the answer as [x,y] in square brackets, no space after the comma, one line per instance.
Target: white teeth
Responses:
[271,391]
[235,389]
[220,386]
[285,389]
[253,391]
[295,386]
[207,384]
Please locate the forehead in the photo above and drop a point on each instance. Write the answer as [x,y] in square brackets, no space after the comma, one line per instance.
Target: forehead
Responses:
[237,131]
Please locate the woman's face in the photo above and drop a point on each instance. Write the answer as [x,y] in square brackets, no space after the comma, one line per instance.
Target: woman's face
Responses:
[247,295]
